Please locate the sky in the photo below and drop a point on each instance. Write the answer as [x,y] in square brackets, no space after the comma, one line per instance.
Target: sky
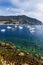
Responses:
[30,8]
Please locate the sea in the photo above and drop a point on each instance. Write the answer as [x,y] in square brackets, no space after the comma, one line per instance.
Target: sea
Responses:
[25,37]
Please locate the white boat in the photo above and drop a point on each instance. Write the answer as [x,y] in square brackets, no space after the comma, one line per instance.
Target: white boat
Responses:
[20,27]
[3,30]
[9,27]
[32,30]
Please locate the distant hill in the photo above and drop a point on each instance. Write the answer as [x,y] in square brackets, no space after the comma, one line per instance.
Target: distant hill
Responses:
[21,19]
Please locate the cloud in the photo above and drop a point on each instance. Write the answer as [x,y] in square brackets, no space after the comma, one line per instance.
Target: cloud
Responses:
[14,10]
[40,6]
[2,12]
[20,3]
[36,14]
[31,8]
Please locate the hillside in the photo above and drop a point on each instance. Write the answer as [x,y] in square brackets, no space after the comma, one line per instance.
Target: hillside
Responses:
[21,19]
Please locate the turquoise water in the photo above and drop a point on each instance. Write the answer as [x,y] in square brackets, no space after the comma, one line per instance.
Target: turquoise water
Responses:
[26,37]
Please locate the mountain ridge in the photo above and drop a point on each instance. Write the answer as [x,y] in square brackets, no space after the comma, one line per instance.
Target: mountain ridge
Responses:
[20,19]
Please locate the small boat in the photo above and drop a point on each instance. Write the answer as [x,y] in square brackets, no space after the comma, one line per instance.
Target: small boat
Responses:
[20,27]
[32,30]
[3,30]
[8,27]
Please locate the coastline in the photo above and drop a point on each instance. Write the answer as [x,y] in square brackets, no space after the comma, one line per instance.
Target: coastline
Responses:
[15,56]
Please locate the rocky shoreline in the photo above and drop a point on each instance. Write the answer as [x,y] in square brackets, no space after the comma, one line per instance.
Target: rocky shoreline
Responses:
[11,55]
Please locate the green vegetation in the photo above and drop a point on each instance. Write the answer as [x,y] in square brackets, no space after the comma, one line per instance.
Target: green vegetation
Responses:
[1,63]
[19,20]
